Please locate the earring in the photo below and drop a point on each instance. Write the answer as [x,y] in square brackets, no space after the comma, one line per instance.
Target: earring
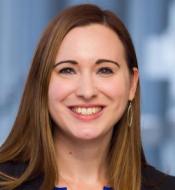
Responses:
[130,114]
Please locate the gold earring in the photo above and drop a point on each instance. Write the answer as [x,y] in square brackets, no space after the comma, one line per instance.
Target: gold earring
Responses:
[130,114]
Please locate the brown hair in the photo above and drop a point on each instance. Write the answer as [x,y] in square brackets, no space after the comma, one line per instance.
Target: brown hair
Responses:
[31,138]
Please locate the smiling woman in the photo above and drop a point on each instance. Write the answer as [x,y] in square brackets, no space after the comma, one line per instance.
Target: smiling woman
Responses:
[78,125]
[94,84]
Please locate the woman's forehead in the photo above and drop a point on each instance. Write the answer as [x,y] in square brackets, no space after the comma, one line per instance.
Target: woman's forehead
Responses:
[91,41]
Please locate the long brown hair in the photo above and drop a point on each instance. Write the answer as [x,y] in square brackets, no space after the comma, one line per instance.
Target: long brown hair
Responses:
[31,138]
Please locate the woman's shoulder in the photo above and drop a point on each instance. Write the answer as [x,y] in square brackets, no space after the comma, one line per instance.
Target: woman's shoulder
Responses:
[13,168]
[153,179]
[16,169]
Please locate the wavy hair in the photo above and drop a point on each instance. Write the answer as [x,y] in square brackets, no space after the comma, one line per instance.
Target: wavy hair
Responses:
[31,138]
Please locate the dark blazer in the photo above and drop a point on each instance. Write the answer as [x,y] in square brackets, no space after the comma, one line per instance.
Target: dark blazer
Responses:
[152,179]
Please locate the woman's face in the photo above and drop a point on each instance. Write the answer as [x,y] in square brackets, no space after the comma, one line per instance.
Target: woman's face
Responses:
[90,85]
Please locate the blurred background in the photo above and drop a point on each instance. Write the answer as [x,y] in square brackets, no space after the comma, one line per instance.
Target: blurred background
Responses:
[151,24]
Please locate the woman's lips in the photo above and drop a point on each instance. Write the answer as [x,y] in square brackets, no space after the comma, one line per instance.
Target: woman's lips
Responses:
[86,113]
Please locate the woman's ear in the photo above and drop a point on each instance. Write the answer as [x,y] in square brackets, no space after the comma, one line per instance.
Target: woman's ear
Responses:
[134,82]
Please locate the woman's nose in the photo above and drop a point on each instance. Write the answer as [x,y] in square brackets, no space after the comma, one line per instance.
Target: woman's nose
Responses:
[86,87]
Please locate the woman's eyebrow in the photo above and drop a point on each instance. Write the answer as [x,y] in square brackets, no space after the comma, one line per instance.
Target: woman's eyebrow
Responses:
[66,61]
[99,61]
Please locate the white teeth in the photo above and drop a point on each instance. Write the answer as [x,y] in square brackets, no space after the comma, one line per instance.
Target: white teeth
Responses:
[86,111]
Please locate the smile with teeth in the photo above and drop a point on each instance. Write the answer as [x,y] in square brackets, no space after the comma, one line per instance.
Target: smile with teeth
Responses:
[86,111]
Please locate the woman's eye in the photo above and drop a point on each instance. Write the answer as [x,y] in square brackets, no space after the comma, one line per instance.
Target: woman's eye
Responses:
[67,70]
[105,70]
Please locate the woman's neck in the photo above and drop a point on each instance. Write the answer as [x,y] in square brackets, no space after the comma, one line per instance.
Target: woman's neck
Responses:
[82,162]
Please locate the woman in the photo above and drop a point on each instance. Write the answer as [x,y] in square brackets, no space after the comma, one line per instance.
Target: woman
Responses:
[78,125]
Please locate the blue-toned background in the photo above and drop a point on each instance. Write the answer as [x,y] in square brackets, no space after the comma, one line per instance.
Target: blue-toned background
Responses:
[152,27]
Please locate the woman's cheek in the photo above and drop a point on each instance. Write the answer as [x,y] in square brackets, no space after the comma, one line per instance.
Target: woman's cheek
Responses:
[112,88]
[60,89]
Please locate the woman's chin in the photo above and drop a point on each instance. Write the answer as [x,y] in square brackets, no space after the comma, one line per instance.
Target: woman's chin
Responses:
[88,136]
